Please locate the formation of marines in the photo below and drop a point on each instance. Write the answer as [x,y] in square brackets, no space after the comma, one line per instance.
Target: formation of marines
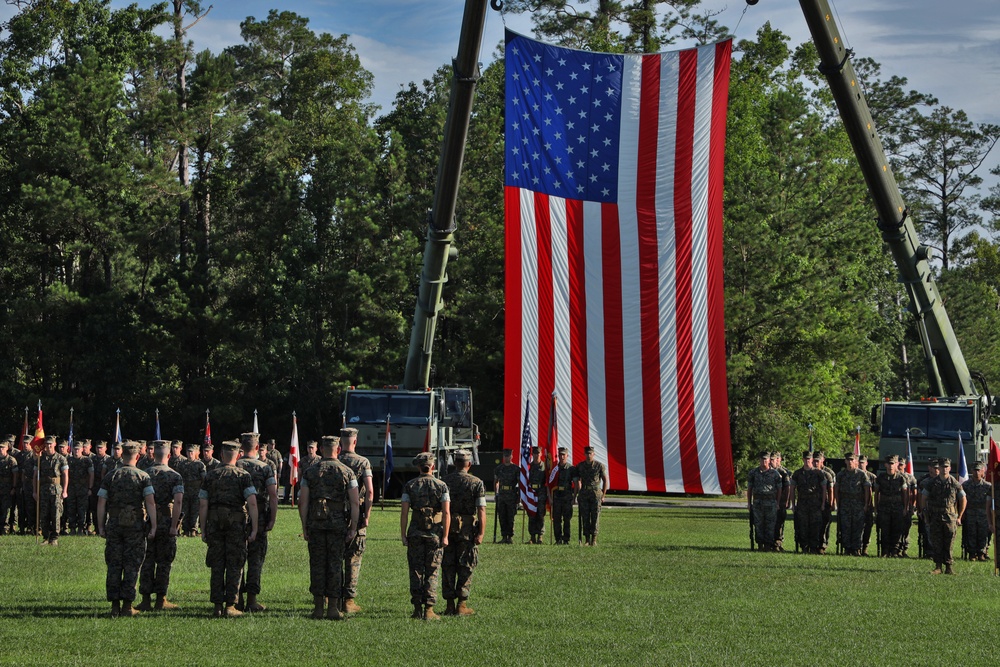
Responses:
[888,501]
[141,497]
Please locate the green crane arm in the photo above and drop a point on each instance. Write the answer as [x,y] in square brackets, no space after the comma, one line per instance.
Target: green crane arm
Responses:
[946,367]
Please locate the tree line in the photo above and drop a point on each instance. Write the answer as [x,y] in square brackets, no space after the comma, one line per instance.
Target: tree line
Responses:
[185,230]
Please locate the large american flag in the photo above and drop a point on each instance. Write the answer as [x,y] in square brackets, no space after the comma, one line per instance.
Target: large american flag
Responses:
[613,198]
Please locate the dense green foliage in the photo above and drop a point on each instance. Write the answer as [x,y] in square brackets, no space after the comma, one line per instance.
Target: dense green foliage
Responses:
[672,586]
[187,230]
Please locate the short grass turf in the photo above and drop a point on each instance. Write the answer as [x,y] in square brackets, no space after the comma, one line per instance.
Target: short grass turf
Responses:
[672,586]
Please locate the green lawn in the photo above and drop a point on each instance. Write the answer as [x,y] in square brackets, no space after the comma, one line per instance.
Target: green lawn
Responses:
[672,586]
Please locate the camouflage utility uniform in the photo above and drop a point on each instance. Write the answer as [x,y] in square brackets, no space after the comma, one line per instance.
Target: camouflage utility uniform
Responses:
[78,499]
[975,521]
[809,487]
[891,511]
[362,469]
[8,470]
[193,472]
[507,496]
[765,488]
[536,481]
[563,495]
[161,550]
[591,475]
[124,491]
[329,482]
[941,496]
[424,550]
[262,477]
[50,500]
[467,494]
[852,486]
[28,508]
[226,489]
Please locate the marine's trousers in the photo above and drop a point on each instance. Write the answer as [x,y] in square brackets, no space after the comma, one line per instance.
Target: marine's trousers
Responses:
[765,515]
[506,509]
[256,554]
[942,534]
[226,556]
[154,577]
[423,556]
[460,560]
[562,515]
[123,553]
[326,562]
[355,551]
[851,526]
[590,512]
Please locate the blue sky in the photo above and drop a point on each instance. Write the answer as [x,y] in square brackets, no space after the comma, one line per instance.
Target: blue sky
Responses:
[949,49]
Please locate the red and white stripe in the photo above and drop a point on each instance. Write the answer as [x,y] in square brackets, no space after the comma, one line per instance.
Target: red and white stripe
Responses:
[618,308]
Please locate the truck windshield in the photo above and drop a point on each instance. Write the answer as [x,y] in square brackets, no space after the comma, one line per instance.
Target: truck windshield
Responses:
[458,402]
[927,421]
[372,408]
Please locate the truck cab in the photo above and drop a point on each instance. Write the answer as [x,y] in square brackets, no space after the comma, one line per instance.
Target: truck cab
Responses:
[933,426]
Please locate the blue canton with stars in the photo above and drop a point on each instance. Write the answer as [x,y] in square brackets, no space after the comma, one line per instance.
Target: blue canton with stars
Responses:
[562,120]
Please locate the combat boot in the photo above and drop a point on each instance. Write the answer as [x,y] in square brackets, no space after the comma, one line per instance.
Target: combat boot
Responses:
[253,605]
[333,609]
[128,610]
[464,609]
[350,606]
[429,614]
[317,606]
[146,604]
[162,604]
[418,611]
[948,570]
[937,569]
[450,609]
[116,608]
[231,611]
[217,613]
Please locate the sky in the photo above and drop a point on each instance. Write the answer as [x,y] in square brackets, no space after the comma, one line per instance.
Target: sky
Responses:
[948,49]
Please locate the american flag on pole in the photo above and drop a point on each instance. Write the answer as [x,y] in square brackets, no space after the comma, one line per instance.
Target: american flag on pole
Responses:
[529,499]
[614,295]
[388,463]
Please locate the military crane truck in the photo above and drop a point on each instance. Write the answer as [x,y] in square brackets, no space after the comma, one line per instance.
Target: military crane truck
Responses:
[421,417]
[960,403]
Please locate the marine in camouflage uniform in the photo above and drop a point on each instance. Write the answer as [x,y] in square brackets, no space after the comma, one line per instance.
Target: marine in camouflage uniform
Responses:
[763,494]
[593,478]
[124,494]
[853,498]
[51,490]
[944,504]
[807,489]
[266,485]
[8,487]
[362,469]
[468,523]
[819,461]
[922,533]
[211,463]
[506,496]
[890,503]
[975,522]
[563,497]
[908,510]
[783,500]
[537,473]
[310,458]
[328,487]
[99,457]
[81,480]
[866,535]
[168,495]
[426,535]
[193,472]
[28,508]
[227,499]
[177,458]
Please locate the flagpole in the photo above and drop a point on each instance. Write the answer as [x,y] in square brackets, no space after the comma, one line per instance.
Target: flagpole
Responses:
[810,427]
[548,475]
[38,476]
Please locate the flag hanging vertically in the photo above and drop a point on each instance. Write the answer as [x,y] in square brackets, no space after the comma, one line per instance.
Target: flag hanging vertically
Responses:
[71,429]
[387,462]
[909,454]
[38,442]
[552,480]
[614,295]
[118,425]
[293,456]
[857,441]
[993,466]
[158,436]
[208,430]
[529,499]
[256,428]
[963,466]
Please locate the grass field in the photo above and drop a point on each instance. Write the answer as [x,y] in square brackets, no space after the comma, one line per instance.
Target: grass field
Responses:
[673,586]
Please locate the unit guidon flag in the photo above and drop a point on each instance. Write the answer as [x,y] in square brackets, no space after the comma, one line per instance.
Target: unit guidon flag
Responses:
[614,296]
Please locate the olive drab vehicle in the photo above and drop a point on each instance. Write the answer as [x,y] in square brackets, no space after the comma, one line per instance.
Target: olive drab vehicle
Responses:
[961,403]
[420,417]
